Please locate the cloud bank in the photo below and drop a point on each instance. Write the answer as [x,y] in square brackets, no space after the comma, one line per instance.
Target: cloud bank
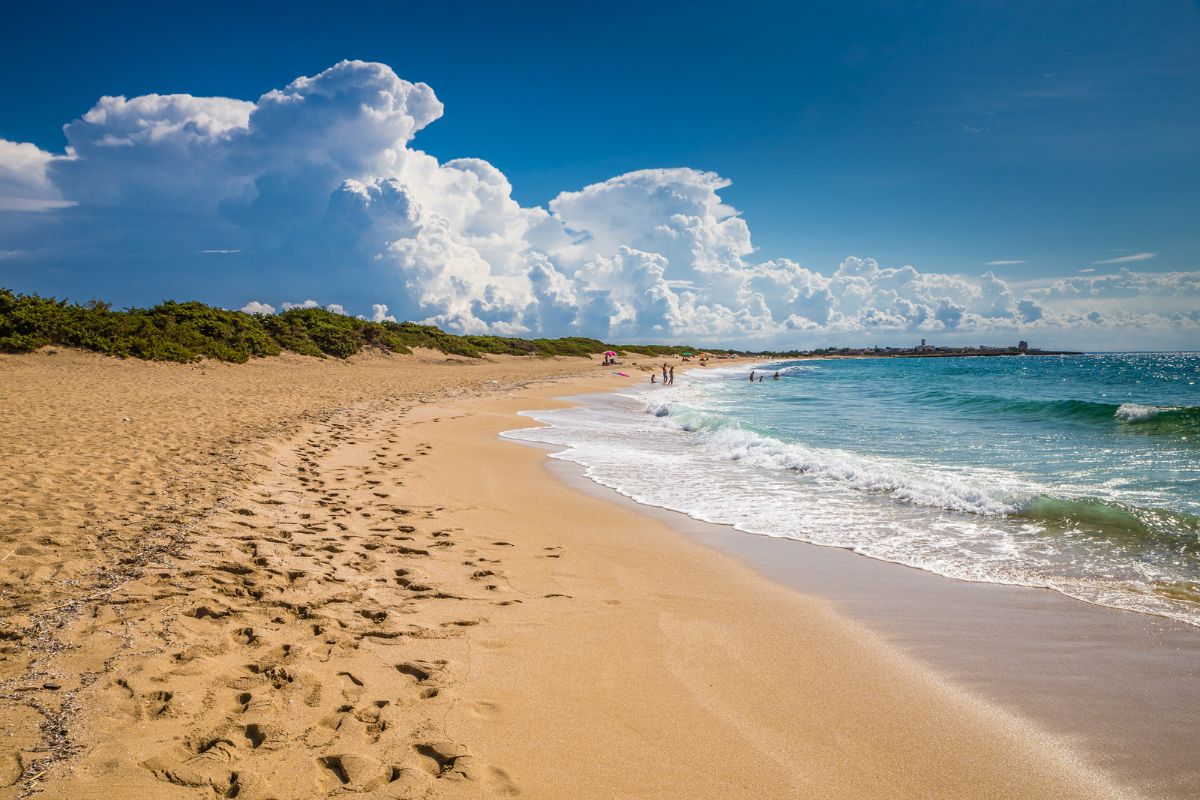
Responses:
[318,190]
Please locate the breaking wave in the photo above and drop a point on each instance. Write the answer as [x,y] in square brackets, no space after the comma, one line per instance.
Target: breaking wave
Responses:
[1152,419]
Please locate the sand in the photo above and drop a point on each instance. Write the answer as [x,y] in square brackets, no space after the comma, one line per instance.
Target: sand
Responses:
[296,579]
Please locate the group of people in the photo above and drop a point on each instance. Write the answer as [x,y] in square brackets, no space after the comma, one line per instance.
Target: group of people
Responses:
[668,376]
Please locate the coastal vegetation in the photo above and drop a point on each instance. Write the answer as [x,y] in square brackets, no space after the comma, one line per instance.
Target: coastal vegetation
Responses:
[189,331]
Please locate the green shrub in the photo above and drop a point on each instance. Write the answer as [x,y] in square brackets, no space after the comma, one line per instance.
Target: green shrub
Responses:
[189,331]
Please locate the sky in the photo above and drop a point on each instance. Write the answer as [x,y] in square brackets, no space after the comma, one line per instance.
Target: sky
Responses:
[770,174]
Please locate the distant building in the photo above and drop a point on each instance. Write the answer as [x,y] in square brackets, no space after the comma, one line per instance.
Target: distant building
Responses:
[924,348]
[1022,346]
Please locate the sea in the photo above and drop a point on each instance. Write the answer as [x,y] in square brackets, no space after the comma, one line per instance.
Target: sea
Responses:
[1079,473]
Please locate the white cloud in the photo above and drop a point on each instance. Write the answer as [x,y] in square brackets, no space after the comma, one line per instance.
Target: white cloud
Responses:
[1124,284]
[676,213]
[320,182]
[255,307]
[24,183]
[379,313]
[336,308]
[1127,259]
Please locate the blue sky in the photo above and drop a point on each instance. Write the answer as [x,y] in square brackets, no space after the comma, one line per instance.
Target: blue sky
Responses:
[938,135]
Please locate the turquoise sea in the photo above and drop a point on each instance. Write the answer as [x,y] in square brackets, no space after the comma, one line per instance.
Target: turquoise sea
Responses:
[1077,473]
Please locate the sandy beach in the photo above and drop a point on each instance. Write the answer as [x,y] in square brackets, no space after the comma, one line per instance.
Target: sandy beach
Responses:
[300,578]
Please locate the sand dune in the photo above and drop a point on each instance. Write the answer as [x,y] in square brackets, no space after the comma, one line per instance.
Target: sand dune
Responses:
[300,579]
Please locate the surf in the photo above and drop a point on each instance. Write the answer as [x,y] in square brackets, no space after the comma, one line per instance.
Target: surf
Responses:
[1074,474]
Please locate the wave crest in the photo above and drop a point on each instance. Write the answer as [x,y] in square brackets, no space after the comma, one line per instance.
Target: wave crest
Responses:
[1133,412]
[1135,526]
[1151,418]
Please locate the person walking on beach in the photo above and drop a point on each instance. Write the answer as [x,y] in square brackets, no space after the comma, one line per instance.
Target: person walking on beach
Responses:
[664,373]
[671,382]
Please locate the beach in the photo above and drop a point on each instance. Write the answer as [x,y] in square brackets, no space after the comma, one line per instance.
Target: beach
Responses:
[302,578]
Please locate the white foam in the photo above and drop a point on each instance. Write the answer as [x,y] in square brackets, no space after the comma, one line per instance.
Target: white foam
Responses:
[1132,412]
[921,484]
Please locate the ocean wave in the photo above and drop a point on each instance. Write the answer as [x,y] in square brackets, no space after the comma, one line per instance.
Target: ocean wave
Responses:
[910,483]
[687,417]
[1141,528]
[795,369]
[923,485]
[1164,420]
[1134,413]
[1161,419]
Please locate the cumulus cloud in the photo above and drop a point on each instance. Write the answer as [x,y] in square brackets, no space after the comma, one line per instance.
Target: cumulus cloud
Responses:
[320,181]
[305,304]
[255,307]
[676,213]
[379,313]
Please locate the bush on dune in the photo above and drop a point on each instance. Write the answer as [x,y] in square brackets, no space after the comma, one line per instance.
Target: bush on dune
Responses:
[189,331]
[166,332]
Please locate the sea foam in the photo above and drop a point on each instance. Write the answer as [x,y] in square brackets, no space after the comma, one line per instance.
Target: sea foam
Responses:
[920,484]
[1132,412]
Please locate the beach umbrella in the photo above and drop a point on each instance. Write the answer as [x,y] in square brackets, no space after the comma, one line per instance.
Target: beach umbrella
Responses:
[686,354]
[610,352]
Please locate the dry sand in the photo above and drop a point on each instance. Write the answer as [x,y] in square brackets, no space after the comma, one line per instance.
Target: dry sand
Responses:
[294,579]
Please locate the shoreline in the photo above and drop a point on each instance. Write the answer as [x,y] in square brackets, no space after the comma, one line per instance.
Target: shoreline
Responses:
[1129,698]
[780,688]
[392,600]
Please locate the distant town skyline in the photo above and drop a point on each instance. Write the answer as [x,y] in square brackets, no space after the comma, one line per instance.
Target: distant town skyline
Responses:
[783,175]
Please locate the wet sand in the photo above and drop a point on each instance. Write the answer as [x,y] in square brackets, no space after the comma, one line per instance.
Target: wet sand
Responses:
[1122,687]
[298,579]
